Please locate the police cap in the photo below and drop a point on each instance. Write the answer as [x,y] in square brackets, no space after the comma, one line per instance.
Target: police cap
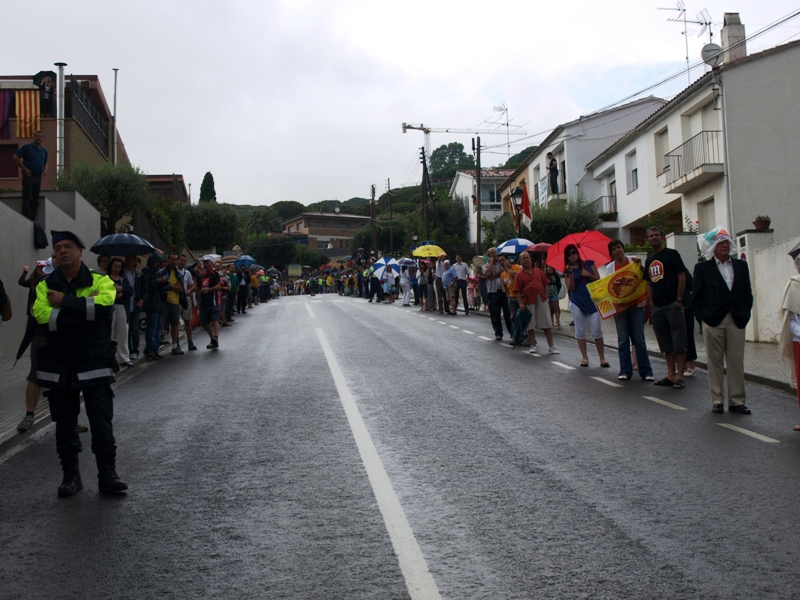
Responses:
[60,236]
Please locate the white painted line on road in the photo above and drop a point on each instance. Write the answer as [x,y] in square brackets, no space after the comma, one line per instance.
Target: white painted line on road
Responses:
[663,402]
[442,323]
[485,338]
[752,434]
[431,318]
[529,354]
[606,381]
[469,332]
[562,365]
[310,312]
[419,580]
[454,327]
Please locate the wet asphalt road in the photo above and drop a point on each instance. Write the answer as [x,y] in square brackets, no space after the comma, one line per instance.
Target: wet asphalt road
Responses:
[518,477]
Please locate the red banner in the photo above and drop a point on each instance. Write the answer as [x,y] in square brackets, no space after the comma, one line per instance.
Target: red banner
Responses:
[27,113]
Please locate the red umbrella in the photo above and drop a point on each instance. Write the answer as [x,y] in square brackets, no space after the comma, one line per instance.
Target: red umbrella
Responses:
[540,247]
[592,245]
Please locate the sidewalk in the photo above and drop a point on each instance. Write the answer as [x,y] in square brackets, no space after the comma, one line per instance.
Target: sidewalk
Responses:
[763,364]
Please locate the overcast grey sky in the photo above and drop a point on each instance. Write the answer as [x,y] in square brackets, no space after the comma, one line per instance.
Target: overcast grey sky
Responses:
[303,99]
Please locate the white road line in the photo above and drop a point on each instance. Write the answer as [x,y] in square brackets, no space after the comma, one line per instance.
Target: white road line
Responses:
[606,381]
[442,323]
[310,312]
[752,434]
[663,402]
[454,327]
[562,365]
[485,338]
[529,354]
[415,571]
[431,318]
[469,332]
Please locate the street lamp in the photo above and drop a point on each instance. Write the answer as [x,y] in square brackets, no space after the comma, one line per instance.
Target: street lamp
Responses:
[414,236]
[516,199]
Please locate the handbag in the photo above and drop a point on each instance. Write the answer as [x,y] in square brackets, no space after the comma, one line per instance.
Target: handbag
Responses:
[7,312]
[183,301]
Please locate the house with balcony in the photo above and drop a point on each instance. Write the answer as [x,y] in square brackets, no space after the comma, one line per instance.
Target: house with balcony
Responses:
[573,144]
[88,128]
[328,233]
[465,189]
[676,158]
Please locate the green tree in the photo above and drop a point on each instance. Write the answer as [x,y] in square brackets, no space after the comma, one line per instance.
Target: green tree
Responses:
[287,208]
[211,224]
[261,219]
[270,250]
[558,220]
[448,159]
[517,159]
[306,256]
[116,191]
[207,191]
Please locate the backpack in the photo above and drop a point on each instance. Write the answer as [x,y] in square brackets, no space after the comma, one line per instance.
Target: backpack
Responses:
[39,236]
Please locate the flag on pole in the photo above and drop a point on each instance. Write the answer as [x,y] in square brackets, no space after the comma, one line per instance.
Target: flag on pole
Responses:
[525,209]
[27,113]
[5,115]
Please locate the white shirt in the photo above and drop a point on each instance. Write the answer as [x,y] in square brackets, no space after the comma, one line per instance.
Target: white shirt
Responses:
[492,285]
[726,270]
[187,283]
[440,269]
[462,270]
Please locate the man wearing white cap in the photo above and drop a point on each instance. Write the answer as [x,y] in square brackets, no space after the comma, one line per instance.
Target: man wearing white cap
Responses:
[722,299]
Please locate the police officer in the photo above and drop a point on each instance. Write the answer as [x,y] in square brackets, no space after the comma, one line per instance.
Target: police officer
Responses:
[74,307]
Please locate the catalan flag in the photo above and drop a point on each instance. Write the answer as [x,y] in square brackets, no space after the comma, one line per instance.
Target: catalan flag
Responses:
[5,115]
[27,113]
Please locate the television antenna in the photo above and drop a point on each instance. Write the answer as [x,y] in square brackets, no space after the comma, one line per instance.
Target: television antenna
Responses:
[680,7]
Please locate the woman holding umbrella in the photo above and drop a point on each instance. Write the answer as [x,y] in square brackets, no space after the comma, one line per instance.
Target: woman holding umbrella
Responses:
[119,322]
[577,273]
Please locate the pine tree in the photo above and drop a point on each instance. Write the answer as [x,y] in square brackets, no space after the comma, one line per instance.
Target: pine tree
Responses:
[207,192]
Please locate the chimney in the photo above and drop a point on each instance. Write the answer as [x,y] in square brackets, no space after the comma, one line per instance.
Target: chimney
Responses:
[732,34]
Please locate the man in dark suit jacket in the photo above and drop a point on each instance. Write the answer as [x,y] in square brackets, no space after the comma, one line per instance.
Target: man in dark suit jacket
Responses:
[722,299]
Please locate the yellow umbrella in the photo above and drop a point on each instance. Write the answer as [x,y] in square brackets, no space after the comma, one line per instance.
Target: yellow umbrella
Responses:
[428,251]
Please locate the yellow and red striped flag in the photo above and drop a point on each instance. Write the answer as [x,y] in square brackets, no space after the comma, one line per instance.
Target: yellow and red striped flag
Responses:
[27,113]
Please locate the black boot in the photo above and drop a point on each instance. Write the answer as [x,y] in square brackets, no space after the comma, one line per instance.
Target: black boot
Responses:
[108,482]
[71,484]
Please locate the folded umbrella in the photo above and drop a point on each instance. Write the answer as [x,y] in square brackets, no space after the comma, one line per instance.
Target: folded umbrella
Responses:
[521,322]
[30,330]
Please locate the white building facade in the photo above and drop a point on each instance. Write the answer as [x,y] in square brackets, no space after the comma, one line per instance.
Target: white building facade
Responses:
[465,188]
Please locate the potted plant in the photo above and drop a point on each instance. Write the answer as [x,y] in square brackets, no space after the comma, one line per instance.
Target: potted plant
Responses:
[608,216]
[762,222]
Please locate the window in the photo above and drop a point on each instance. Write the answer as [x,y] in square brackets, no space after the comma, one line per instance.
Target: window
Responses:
[323,245]
[318,224]
[299,226]
[632,172]
[290,229]
[7,166]
[707,216]
[662,148]
[344,225]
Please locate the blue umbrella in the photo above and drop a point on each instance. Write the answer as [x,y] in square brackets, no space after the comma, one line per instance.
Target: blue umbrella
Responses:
[121,244]
[407,262]
[514,246]
[386,263]
[245,260]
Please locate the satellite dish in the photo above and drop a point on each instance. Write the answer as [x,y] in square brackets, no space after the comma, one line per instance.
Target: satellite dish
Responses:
[711,55]
[336,210]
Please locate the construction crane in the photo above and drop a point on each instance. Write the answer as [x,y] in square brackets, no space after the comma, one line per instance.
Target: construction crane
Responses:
[428,130]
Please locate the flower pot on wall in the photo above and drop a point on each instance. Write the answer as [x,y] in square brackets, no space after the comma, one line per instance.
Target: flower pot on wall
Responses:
[762,224]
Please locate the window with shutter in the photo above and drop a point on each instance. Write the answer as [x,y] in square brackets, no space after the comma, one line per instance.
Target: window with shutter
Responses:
[708,216]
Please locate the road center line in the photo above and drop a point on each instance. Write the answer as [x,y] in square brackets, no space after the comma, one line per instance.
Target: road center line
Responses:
[454,327]
[442,323]
[419,581]
[562,365]
[310,312]
[469,332]
[663,402]
[529,354]
[431,318]
[606,381]
[485,338]
[752,434]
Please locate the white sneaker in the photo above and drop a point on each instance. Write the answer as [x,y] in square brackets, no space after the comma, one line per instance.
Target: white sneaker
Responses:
[553,350]
[533,350]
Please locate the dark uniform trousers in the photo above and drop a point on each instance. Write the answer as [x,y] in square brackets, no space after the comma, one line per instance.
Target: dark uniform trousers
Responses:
[65,405]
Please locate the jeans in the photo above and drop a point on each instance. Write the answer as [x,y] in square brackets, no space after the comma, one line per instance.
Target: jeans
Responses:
[152,333]
[630,328]
[498,303]
[133,331]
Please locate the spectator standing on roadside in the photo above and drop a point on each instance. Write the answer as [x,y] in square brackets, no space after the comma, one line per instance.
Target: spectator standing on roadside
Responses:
[32,390]
[230,306]
[666,284]
[462,269]
[151,304]
[119,321]
[241,294]
[32,160]
[405,286]
[449,279]
[554,295]
[507,277]
[422,289]
[440,294]
[208,285]
[530,285]
[188,312]
[498,302]
[577,273]
[172,306]
[134,278]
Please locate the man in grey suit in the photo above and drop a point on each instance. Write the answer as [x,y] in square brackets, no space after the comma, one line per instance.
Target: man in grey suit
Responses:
[723,299]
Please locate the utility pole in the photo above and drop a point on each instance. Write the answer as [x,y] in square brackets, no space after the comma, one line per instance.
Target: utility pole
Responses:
[440,230]
[374,224]
[425,194]
[391,222]
[477,149]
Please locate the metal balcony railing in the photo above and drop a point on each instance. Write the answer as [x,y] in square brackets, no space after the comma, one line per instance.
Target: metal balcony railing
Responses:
[704,148]
[606,204]
[84,112]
